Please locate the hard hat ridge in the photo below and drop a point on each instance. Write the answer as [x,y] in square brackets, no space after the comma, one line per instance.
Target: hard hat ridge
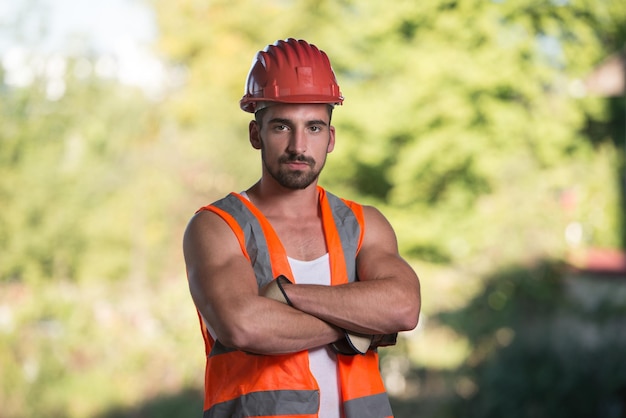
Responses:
[290,71]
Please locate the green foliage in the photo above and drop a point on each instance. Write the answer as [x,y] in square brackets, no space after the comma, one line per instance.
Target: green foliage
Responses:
[74,180]
[544,345]
[456,112]
[77,350]
[463,122]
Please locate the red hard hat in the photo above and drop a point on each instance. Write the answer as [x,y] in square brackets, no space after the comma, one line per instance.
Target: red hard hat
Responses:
[290,71]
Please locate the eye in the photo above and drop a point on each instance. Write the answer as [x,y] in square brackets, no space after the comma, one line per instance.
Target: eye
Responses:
[281,128]
[315,128]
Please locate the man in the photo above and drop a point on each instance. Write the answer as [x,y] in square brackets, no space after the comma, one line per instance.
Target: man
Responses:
[295,287]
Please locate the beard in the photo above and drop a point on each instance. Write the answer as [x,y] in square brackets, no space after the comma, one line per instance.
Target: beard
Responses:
[293,179]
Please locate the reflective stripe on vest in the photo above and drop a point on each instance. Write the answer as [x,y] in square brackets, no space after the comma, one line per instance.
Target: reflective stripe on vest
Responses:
[238,384]
[267,403]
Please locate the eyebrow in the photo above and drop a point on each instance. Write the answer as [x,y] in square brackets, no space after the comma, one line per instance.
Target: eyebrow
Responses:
[289,122]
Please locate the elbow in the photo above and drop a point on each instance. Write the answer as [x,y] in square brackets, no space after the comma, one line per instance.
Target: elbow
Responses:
[240,335]
[412,321]
[231,338]
[236,338]
[408,321]
[407,317]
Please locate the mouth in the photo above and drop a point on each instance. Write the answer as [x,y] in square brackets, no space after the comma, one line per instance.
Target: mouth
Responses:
[297,163]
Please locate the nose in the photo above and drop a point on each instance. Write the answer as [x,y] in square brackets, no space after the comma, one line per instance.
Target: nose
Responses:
[297,142]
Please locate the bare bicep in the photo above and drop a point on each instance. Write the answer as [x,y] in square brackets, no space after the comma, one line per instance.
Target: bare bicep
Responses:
[220,277]
[379,249]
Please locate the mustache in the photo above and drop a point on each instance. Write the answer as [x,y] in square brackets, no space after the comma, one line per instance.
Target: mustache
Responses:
[292,158]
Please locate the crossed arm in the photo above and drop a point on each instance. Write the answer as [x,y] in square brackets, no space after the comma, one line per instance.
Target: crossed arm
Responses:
[224,289]
[386,299]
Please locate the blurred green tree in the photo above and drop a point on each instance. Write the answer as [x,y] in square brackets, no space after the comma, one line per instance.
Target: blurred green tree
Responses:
[75,175]
[545,343]
[463,119]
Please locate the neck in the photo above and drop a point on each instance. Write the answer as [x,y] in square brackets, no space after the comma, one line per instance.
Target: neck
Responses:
[273,199]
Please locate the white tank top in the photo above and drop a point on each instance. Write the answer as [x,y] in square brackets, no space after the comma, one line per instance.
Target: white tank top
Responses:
[322,360]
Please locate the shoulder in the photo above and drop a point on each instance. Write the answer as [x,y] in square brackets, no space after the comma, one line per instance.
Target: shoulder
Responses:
[378,229]
[368,216]
[216,213]
[363,212]
[205,226]
[345,207]
[209,242]
[374,217]
[212,225]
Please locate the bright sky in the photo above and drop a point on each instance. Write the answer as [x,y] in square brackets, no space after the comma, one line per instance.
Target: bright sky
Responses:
[112,24]
[119,31]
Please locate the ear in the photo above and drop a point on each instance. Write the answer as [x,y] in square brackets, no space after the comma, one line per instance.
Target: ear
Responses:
[253,134]
[331,142]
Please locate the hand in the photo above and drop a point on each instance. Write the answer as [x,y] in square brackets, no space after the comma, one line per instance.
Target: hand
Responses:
[352,343]
[355,343]
[275,290]
[383,340]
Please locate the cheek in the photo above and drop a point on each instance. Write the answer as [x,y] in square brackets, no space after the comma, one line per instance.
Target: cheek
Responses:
[269,152]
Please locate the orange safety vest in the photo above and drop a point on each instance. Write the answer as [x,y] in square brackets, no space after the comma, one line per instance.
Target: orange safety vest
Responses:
[239,384]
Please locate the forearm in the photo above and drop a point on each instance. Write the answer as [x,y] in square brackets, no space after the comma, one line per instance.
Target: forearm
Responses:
[374,307]
[269,327]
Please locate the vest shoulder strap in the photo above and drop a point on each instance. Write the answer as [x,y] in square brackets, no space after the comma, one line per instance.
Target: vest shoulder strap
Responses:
[247,225]
[343,228]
